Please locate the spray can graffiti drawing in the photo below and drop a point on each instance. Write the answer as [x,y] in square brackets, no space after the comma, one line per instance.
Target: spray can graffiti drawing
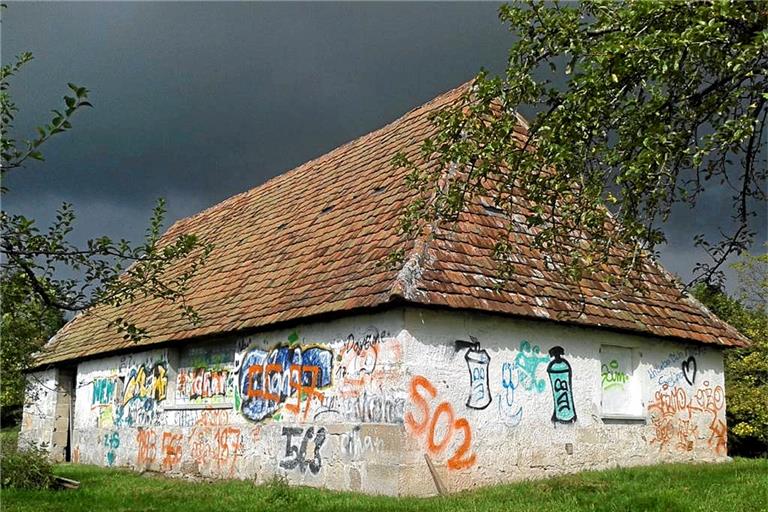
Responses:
[479,392]
[559,371]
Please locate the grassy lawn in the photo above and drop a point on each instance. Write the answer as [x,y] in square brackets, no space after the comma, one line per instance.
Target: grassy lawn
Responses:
[741,485]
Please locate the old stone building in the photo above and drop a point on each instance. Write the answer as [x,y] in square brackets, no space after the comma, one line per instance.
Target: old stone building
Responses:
[315,361]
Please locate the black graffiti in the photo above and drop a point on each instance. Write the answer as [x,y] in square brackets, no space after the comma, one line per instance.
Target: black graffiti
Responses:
[689,370]
[296,456]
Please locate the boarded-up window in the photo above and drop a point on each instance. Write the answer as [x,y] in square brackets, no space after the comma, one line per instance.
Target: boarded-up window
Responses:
[620,391]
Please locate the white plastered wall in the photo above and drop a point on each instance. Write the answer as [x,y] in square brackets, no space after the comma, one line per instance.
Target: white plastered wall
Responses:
[184,411]
[515,437]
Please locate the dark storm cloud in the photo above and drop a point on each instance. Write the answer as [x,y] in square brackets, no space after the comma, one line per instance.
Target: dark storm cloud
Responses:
[198,101]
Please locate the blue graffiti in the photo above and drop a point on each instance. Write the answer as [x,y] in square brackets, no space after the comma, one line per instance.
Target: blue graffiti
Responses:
[526,363]
[506,401]
[268,379]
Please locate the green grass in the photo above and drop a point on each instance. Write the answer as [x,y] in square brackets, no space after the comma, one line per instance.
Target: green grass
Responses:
[9,434]
[738,486]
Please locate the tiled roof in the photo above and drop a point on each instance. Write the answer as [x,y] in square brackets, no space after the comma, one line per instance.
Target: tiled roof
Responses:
[310,242]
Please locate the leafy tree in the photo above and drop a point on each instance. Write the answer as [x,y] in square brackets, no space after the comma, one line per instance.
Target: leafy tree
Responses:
[746,370]
[26,323]
[108,272]
[641,105]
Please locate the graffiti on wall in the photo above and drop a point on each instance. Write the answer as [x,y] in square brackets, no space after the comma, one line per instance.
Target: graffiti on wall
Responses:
[362,360]
[439,427]
[508,411]
[146,443]
[130,398]
[171,450]
[204,385]
[111,443]
[668,373]
[612,376]
[302,449]
[527,362]
[676,418]
[355,445]
[268,379]
[689,370]
[477,363]
[367,407]
[214,444]
[560,378]
[520,375]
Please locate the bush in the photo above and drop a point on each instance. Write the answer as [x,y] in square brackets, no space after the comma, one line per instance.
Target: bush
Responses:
[24,469]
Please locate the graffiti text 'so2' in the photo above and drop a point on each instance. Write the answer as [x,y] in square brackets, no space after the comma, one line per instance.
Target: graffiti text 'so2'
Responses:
[421,392]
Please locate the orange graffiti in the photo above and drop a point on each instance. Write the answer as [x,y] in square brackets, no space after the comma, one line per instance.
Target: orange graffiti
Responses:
[365,362]
[462,456]
[147,447]
[214,444]
[675,416]
[302,391]
[171,450]
[76,455]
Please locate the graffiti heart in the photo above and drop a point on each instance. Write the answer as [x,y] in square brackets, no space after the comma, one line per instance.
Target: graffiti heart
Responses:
[689,370]
[267,379]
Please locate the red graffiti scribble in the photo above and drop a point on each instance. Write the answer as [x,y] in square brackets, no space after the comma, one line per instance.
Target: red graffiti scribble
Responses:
[443,414]
[171,450]
[147,447]
[675,416]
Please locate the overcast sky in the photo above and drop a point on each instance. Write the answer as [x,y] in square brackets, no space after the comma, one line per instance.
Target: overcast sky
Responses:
[196,102]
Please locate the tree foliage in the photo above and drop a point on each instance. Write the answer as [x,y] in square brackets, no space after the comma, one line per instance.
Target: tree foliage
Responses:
[26,323]
[746,370]
[105,271]
[641,105]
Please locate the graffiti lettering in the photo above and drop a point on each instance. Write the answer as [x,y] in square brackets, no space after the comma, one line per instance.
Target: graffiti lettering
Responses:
[111,443]
[612,376]
[365,408]
[103,391]
[422,391]
[171,450]
[268,379]
[296,456]
[204,385]
[144,384]
[674,415]
[559,370]
[215,445]
[354,445]
[147,448]
[526,363]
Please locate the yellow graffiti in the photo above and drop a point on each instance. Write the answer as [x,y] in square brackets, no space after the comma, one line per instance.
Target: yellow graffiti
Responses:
[137,384]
